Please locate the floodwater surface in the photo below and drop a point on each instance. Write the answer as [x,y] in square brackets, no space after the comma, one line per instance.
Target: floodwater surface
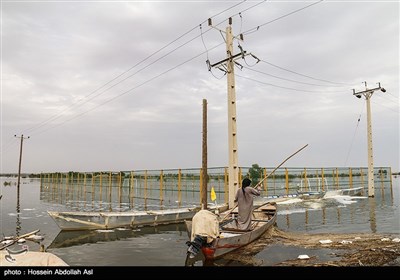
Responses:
[166,245]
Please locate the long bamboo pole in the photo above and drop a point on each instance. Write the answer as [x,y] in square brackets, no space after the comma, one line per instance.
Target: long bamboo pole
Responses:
[280,165]
[259,183]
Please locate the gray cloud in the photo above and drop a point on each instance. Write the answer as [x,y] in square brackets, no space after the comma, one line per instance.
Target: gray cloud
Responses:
[59,60]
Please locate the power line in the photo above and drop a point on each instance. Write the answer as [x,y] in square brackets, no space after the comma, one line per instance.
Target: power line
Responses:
[129,90]
[283,87]
[281,17]
[291,71]
[120,75]
[285,79]
[60,114]
[393,96]
[76,104]
[254,29]
[354,135]
[240,3]
[148,65]
[389,108]
[388,99]
[239,13]
[7,146]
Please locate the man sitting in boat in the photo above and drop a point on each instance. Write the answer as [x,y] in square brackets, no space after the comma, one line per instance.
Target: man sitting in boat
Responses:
[244,198]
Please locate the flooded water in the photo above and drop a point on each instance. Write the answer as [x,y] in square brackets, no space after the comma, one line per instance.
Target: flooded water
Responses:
[165,245]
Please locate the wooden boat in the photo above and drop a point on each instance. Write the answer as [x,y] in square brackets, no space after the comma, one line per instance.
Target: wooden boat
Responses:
[232,239]
[79,220]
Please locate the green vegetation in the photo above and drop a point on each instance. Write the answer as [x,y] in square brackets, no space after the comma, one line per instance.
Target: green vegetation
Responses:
[255,174]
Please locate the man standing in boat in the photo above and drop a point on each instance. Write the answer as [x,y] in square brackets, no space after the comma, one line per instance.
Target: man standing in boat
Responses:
[244,198]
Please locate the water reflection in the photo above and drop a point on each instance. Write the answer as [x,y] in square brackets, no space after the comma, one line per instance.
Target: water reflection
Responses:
[18,222]
[79,237]
[240,257]
[372,206]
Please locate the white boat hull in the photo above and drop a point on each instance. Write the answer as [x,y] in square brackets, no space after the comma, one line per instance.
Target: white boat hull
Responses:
[108,220]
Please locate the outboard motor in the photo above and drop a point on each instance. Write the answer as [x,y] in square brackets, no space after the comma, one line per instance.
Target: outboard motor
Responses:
[195,245]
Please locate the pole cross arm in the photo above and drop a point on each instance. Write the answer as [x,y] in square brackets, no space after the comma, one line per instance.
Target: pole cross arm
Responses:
[229,58]
[368,91]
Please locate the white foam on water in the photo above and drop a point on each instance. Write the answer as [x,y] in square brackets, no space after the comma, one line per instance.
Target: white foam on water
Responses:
[314,204]
[291,211]
[122,229]
[330,194]
[104,230]
[290,201]
[358,197]
[344,199]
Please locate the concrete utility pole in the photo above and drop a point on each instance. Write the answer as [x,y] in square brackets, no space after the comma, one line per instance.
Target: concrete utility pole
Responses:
[228,66]
[368,94]
[20,160]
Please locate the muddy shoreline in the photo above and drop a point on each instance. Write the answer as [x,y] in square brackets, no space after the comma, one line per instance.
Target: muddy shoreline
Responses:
[344,249]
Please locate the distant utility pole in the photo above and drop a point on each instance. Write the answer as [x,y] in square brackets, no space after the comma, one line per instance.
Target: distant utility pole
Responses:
[227,65]
[368,94]
[20,160]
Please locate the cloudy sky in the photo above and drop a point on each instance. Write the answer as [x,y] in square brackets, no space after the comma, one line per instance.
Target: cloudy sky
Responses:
[119,85]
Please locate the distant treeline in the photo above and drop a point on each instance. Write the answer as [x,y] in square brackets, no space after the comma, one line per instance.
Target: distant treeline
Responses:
[22,175]
[127,174]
